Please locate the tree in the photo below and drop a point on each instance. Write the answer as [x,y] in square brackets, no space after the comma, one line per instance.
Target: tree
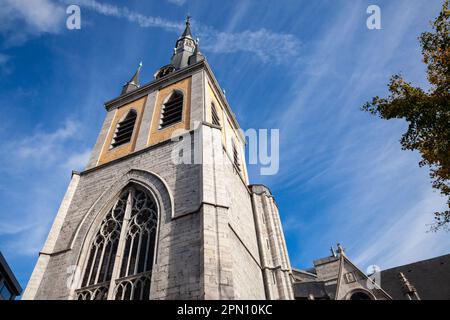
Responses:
[427,112]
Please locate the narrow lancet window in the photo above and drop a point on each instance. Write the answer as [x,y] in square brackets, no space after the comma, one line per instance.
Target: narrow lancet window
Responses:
[236,159]
[214,115]
[124,130]
[172,110]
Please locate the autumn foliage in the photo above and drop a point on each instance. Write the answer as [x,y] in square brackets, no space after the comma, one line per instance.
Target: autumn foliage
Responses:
[427,112]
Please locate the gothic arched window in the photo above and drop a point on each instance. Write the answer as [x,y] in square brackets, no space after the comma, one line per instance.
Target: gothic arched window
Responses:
[120,258]
[124,129]
[172,110]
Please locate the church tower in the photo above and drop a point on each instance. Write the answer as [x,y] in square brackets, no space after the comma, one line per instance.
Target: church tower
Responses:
[164,209]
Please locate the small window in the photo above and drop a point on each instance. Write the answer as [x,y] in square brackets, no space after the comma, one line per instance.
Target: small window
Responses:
[214,116]
[236,157]
[124,129]
[172,110]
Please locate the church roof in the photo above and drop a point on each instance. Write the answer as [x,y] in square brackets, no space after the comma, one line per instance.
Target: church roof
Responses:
[334,277]
[8,275]
[431,279]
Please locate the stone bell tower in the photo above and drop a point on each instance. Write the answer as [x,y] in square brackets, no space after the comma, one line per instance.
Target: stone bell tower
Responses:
[164,209]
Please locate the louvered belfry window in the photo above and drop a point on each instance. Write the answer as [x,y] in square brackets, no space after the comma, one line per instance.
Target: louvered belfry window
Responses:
[236,157]
[214,116]
[120,258]
[124,129]
[172,110]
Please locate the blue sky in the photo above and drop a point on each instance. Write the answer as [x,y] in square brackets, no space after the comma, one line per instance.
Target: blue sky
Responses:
[305,67]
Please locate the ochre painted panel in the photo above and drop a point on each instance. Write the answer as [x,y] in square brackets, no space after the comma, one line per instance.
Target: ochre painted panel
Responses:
[158,135]
[109,153]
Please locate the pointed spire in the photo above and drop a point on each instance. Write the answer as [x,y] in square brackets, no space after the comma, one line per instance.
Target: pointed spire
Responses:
[185,48]
[187,30]
[135,79]
[134,82]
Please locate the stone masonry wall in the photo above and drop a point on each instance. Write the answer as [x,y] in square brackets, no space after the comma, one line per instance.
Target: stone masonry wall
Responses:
[179,238]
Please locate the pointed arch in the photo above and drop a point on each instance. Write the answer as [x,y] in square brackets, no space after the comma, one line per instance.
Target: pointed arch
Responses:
[87,231]
[121,254]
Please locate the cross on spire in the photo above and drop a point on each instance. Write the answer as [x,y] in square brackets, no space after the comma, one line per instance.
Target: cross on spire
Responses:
[187,30]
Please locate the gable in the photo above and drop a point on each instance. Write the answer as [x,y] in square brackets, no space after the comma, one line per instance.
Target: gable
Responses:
[352,280]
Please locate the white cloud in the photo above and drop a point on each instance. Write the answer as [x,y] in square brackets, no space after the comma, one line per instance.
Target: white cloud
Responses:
[258,42]
[253,41]
[45,146]
[405,239]
[35,171]
[45,149]
[177,2]
[21,19]
[131,16]
[381,200]
[6,228]
[77,161]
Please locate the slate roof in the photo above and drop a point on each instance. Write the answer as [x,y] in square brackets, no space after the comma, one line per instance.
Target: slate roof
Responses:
[431,278]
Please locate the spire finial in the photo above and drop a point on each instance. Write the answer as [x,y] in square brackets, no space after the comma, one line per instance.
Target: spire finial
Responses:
[135,79]
[187,30]
[340,249]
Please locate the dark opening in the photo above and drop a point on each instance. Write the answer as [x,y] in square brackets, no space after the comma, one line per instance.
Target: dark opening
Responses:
[124,129]
[172,111]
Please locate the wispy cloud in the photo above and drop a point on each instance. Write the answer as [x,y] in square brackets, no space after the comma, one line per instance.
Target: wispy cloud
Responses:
[77,161]
[330,148]
[132,16]
[255,42]
[37,17]
[213,40]
[44,148]
[35,170]
[21,19]
[405,239]
[177,2]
